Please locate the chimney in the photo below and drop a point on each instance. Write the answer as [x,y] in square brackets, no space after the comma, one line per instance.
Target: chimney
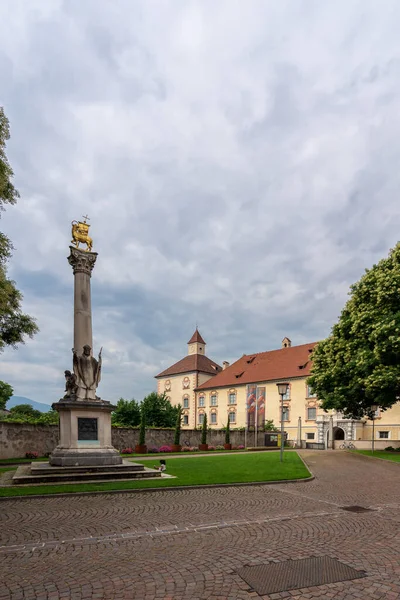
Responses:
[225,364]
[286,343]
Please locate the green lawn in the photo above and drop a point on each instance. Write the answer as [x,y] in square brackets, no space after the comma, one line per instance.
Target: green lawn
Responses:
[393,456]
[202,470]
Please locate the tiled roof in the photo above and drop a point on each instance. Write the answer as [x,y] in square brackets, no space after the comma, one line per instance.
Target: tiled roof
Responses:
[196,337]
[191,363]
[284,363]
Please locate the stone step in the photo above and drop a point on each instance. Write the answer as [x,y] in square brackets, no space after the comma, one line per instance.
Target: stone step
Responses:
[44,468]
[24,475]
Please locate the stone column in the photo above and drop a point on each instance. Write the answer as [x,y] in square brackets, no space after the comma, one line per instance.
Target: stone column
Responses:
[82,263]
[299,433]
[330,441]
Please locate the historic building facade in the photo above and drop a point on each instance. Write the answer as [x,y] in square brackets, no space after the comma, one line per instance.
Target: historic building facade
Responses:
[180,381]
[249,384]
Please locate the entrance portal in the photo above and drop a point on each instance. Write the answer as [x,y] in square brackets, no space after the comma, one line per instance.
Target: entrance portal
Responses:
[338,433]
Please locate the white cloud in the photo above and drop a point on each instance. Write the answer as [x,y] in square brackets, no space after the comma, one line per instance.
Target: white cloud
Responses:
[238,162]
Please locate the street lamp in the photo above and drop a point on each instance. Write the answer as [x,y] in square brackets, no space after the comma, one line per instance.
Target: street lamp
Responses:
[282,389]
[374,408]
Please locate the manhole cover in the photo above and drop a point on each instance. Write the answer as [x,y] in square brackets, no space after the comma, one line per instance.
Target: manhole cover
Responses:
[357,509]
[295,574]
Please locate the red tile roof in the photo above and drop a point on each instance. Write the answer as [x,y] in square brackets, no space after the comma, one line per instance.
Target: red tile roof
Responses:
[191,363]
[196,337]
[284,363]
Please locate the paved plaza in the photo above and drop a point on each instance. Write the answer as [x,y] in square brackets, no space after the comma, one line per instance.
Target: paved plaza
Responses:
[190,544]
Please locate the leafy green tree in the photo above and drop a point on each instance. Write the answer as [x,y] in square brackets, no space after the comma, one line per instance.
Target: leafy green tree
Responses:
[126,414]
[25,409]
[14,324]
[358,365]
[269,426]
[204,430]
[228,432]
[177,438]
[158,410]
[6,392]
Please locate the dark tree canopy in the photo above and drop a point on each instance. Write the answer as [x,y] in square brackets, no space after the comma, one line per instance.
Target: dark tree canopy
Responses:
[6,391]
[127,413]
[25,409]
[158,411]
[358,365]
[14,324]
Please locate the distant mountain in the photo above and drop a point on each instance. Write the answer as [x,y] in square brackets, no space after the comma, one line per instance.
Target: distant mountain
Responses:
[14,400]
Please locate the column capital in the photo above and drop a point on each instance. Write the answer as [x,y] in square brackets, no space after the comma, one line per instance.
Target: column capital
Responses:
[82,261]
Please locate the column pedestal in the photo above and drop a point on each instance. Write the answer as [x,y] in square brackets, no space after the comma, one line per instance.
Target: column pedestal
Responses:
[85,434]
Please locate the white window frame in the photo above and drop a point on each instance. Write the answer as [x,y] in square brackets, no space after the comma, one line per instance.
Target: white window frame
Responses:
[287,410]
[213,415]
[211,399]
[231,414]
[202,401]
[230,395]
[310,433]
[384,438]
[201,418]
[185,418]
[309,393]
[187,400]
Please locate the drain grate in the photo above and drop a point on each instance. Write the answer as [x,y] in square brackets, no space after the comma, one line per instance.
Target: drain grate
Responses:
[295,574]
[357,509]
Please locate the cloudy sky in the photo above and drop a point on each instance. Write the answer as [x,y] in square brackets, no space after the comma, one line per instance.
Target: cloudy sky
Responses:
[239,161]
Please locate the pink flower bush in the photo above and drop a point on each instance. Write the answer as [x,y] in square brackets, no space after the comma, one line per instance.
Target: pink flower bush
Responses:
[211,447]
[127,451]
[165,449]
[31,454]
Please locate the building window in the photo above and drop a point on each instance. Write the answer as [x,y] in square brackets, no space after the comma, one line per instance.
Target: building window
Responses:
[383,435]
[232,397]
[186,402]
[213,418]
[311,414]
[201,418]
[285,413]
[232,417]
[213,399]
[310,436]
[310,393]
[186,419]
[202,401]
[287,395]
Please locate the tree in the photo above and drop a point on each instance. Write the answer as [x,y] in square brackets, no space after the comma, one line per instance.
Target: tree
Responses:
[14,325]
[228,432]
[158,410]
[177,438]
[204,430]
[6,392]
[358,365]
[126,414]
[269,425]
[25,410]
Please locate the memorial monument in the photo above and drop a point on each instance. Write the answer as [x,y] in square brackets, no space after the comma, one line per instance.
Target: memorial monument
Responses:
[84,451]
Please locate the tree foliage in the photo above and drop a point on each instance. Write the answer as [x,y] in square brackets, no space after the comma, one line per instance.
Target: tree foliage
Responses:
[177,437]
[204,430]
[25,409]
[6,391]
[358,365]
[14,324]
[126,414]
[269,425]
[158,410]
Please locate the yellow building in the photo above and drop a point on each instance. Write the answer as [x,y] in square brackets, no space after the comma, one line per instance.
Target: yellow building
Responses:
[236,391]
[181,379]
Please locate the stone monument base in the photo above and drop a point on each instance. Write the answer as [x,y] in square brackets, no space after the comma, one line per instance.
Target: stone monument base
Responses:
[85,434]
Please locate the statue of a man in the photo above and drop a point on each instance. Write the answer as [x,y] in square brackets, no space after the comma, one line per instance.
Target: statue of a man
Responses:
[88,372]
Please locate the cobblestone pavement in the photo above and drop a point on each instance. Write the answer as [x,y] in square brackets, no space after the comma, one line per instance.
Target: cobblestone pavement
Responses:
[188,545]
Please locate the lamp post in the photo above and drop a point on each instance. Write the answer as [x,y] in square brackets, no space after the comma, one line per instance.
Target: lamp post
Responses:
[374,408]
[282,389]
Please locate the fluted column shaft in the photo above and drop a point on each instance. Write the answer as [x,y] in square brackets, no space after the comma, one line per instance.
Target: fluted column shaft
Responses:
[82,263]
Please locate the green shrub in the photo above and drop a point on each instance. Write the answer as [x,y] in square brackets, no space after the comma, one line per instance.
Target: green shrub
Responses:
[228,433]
[177,437]
[204,430]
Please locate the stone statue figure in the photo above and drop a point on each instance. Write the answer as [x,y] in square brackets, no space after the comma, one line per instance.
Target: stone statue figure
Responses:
[71,387]
[88,371]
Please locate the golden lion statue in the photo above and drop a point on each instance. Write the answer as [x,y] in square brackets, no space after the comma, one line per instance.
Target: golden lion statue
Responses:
[80,235]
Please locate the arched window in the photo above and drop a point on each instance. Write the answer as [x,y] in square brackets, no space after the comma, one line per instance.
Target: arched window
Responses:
[232,416]
[202,401]
[213,417]
[185,401]
[232,397]
[213,399]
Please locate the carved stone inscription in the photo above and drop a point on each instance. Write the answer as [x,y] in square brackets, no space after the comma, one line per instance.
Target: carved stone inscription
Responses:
[87,429]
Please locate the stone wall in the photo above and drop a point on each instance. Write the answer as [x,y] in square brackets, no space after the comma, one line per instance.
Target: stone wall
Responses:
[18,438]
